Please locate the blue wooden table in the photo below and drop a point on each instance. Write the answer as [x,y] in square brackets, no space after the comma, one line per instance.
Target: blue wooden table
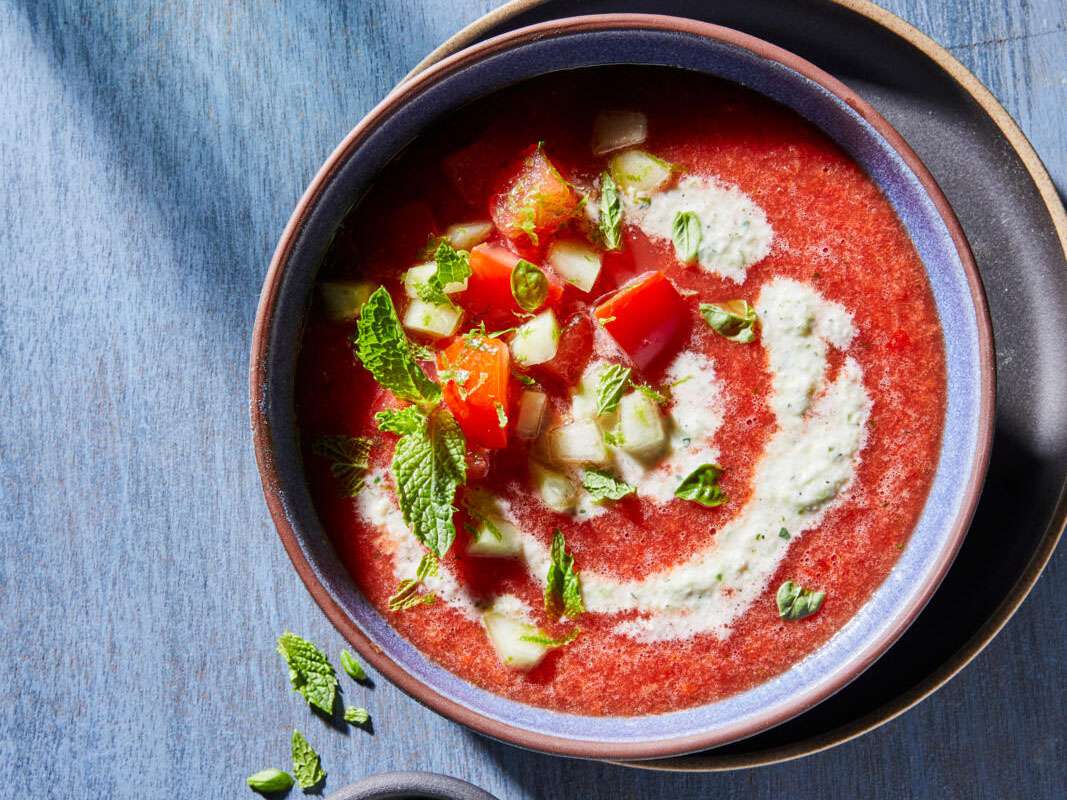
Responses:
[150,154]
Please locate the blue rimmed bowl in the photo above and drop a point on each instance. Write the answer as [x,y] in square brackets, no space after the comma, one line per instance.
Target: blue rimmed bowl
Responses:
[576,43]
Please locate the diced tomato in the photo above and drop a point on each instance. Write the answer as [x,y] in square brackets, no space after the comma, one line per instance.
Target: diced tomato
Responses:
[475,371]
[535,202]
[488,295]
[573,353]
[645,317]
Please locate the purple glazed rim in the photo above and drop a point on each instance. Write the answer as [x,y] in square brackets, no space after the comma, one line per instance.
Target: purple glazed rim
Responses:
[965,448]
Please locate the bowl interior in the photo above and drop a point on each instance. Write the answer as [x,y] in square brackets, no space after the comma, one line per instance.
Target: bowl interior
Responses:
[933,542]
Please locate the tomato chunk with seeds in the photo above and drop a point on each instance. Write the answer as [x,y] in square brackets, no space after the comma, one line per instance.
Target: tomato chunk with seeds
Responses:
[474,371]
[645,317]
[488,295]
[536,201]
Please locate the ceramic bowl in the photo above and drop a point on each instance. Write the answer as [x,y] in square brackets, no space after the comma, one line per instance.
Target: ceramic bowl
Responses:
[586,42]
[410,786]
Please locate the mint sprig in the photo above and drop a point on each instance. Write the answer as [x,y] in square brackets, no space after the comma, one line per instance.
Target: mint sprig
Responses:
[563,586]
[603,486]
[310,671]
[384,349]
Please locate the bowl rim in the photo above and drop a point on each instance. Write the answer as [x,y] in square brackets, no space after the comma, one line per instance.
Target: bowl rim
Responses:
[272,481]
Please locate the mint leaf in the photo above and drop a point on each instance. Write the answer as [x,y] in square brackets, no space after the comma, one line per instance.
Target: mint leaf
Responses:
[796,602]
[357,716]
[350,664]
[410,419]
[453,266]
[385,351]
[652,394]
[702,486]
[350,456]
[310,672]
[270,780]
[407,593]
[501,415]
[610,222]
[306,765]
[563,585]
[529,286]
[429,464]
[612,383]
[783,533]
[733,319]
[548,641]
[686,234]
[603,486]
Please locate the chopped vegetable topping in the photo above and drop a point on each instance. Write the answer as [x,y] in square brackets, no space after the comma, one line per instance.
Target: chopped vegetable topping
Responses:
[796,602]
[702,486]
[733,319]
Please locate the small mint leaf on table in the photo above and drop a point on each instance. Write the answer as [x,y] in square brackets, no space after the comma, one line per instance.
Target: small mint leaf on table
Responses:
[357,716]
[350,664]
[270,780]
[310,671]
[307,768]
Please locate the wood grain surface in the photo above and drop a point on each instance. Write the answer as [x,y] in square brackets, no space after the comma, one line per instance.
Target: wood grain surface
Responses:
[150,154]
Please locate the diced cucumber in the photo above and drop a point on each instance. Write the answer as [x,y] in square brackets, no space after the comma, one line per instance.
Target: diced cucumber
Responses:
[535,341]
[641,426]
[432,320]
[639,173]
[579,442]
[466,235]
[495,538]
[614,130]
[418,276]
[506,635]
[343,300]
[531,414]
[575,263]
[556,490]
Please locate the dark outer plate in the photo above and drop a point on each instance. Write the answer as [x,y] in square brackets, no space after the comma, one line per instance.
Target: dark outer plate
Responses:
[1018,230]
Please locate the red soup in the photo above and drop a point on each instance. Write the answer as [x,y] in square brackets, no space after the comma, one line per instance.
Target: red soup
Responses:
[622,391]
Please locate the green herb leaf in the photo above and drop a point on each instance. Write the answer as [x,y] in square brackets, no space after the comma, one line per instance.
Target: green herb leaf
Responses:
[733,319]
[429,464]
[407,593]
[453,266]
[529,286]
[270,780]
[783,533]
[563,586]
[306,765]
[385,351]
[796,602]
[525,380]
[610,387]
[610,222]
[548,641]
[310,671]
[603,486]
[686,234]
[652,394]
[702,486]
[614,438]
[501,415]
[410,419]
[351,665]
[350,456]
[357,716]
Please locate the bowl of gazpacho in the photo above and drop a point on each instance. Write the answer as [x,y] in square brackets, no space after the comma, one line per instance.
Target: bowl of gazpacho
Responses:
[622,386]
